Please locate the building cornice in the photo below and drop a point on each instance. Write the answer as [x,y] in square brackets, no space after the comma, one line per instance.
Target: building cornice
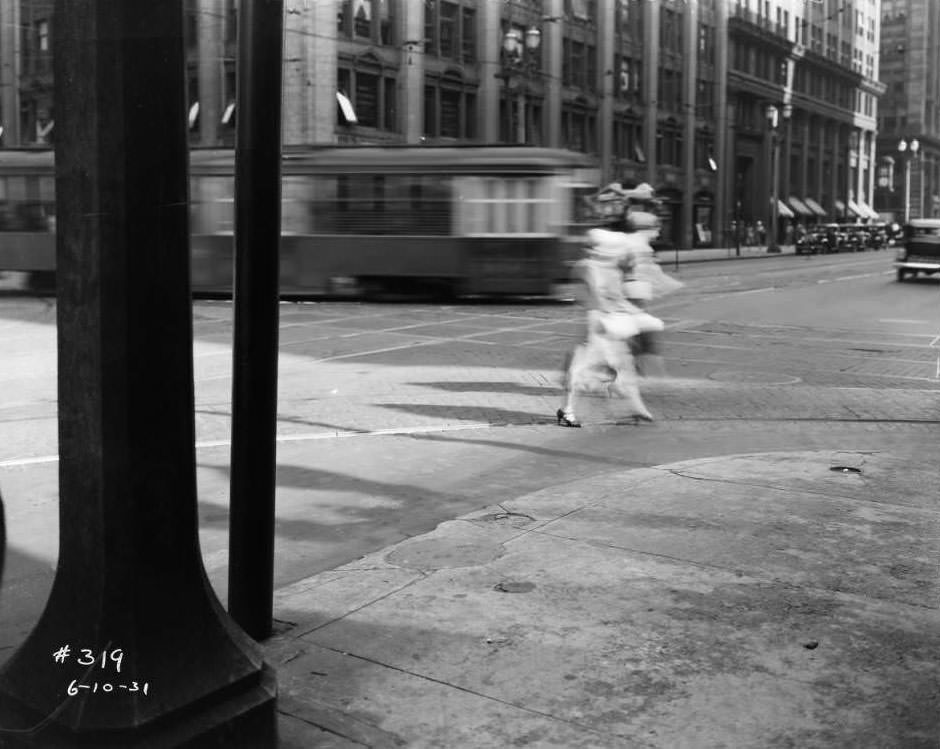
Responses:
[875,88]
[764,31]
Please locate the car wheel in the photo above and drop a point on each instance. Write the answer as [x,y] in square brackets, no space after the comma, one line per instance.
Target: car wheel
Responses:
[901,274]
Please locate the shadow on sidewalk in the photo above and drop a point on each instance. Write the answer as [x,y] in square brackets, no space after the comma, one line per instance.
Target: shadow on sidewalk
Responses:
[385,502]
[477,386]
[490,414]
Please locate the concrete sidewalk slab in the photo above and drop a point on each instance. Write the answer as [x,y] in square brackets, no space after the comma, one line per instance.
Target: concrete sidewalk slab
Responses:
[752,600]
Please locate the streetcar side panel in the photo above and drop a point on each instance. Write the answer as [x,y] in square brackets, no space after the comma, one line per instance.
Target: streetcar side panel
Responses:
[27,218]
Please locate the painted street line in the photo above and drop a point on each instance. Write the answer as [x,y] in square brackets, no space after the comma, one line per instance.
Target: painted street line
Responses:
[303,437]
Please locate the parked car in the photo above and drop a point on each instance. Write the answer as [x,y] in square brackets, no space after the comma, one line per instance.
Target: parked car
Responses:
[919,248]
[812,243]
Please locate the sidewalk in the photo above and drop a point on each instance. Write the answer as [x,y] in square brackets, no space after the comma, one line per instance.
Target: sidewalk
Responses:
[700,254]
[765,600]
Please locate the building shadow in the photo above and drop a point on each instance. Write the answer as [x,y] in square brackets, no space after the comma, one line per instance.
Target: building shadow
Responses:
[488,414]
[470,386]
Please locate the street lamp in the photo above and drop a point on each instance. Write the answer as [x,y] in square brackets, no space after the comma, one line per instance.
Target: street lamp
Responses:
[772,114]
[519,57]
[909,152]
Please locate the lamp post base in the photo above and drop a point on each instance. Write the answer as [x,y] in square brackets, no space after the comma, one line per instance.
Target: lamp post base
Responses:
[245,717]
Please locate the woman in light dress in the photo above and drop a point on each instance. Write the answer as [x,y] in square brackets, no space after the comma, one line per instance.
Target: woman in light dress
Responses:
[614,261]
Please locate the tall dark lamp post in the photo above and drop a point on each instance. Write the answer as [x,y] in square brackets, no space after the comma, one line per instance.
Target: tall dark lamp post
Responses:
[772,114]
[519,58]
[908,152]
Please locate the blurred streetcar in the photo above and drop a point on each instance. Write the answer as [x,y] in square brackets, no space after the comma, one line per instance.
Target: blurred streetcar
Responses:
[454,220]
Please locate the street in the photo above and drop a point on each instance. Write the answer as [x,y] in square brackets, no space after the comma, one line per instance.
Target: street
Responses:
[393,418]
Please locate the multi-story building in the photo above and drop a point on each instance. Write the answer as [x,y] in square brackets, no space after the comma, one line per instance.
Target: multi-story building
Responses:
[671,92]
[804,91]
[909,121]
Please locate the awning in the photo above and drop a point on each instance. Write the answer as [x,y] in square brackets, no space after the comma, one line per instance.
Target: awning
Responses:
[853,206]
[868,210]
[799,206]
[193,114]
[783,211]
[814,207]
[228,114]
[346,107]
[840,206]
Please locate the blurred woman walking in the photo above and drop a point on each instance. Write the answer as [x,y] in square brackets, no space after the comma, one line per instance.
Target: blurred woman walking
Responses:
[611,321]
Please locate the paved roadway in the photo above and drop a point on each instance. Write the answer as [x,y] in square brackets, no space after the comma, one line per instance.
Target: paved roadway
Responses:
[393,418]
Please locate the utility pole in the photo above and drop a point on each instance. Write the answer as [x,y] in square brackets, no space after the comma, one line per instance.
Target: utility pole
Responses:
[256,300]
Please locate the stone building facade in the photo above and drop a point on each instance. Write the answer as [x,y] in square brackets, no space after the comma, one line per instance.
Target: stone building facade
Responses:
[671,92]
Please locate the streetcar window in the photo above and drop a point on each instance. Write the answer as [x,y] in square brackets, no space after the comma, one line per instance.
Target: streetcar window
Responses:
[507,205]
[212,205]
[382,205]
[296,201]
[26,204]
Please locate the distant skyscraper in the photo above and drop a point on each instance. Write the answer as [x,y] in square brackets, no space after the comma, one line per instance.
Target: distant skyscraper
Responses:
[909,123]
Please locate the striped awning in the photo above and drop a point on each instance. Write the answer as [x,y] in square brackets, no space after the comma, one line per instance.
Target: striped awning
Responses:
[814,207]
[799,206]
[853,206]
[783,210]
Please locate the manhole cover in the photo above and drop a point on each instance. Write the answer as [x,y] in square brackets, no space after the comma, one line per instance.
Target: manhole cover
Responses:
[756,378]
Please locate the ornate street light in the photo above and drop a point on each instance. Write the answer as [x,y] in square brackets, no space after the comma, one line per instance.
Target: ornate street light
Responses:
[909,152]
[772,113]
[520,58]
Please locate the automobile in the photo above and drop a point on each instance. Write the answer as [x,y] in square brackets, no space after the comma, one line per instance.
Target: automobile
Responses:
[835,236]
[812,242]
[919,248]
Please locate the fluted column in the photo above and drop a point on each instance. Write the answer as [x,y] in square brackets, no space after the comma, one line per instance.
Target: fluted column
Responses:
[488,49]
[10,71]
[834,186]
[689,74]
[605,68]
[552,36]
[804,159]
[651,75]
[411,74]
[310,54]
[210,31]
[822,128]
[724,155]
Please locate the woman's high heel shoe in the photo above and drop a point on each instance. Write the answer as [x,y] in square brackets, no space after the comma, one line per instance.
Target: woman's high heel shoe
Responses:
[565,421]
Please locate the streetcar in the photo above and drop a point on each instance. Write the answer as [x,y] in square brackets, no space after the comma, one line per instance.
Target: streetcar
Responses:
[455,220]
